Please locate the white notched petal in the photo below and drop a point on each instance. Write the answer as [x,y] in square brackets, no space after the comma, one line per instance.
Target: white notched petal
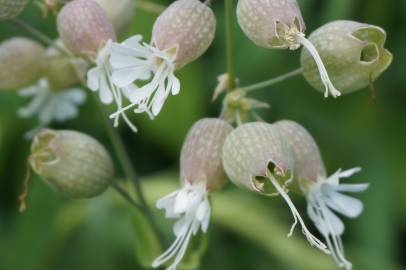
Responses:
[344,204]
[93,78]
[334,223]
[175,86]
[105,94]
[352,187]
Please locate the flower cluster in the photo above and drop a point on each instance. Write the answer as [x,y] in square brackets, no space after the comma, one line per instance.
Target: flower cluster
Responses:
[138,76]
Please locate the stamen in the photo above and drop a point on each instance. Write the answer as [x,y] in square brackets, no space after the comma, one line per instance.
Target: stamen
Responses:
[118,100]
[333,240]
[322,69]
[310,237]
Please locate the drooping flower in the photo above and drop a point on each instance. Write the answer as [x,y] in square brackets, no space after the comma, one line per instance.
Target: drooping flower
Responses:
[49,105]
[324,194]
[182,33]
[85,30]
[21,63]
[353,54]
[56,96]
[258,158]
[201,174]
[279,24]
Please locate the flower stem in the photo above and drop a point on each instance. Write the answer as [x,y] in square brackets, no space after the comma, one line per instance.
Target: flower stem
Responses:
[39,35]
[229,44]
[129,171]
[149,6]
[272,81]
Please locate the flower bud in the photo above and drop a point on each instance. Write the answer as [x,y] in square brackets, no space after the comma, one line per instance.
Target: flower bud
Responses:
[61,71]
[267,22]
[21,63]
[353,54]
[84,27]
[11,8]
[187,27]
[308,163]
[72,163]
[250,150]
[200,158]
[120,13]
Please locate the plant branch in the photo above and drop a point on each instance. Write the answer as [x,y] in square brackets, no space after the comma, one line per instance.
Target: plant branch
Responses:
[272,81]
[129,171]
[229,44]
[149,6]
[39,35]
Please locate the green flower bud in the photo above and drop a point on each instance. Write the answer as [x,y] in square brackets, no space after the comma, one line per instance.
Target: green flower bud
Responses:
[308,163]
[268,22]
[61,71]
[21,63]
[120,13]
[72,163]
[11,8]
[84,28]
[200,158]
[253,149]
[187,27]
[353,54]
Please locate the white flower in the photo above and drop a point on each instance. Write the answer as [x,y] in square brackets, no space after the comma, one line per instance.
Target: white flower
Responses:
[99,79]
[49,105]
[190,205]
[325,196]
[133,63]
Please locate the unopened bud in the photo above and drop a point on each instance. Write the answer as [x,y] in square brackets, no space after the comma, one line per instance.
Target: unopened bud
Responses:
[353,53]
[268,22]
[187,27]
[62,71]
[120,13]
[11,8]
[253,149]
[308,163]
[21,63]
[201,153]
[71,162]
[84,27]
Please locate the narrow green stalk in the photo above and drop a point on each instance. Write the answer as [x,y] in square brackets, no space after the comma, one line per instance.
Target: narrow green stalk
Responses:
[129,171]
[149,6]
[229,44]
[39,35]
[272,81]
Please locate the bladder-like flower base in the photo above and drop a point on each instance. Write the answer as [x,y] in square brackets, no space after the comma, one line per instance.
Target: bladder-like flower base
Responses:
[190,205]
[325,196]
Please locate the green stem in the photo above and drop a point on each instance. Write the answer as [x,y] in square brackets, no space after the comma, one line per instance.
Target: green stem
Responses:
[229,44]
[272,81]
[129,171]
[149,6]
[39,35]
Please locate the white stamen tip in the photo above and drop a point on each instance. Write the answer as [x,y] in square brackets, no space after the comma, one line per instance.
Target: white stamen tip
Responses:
[314,241]
[330,89]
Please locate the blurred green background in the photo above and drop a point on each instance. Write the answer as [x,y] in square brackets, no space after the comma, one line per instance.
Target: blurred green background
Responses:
[247,232]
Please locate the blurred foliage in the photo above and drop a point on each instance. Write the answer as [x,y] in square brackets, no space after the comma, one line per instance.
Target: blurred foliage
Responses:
[247,231]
